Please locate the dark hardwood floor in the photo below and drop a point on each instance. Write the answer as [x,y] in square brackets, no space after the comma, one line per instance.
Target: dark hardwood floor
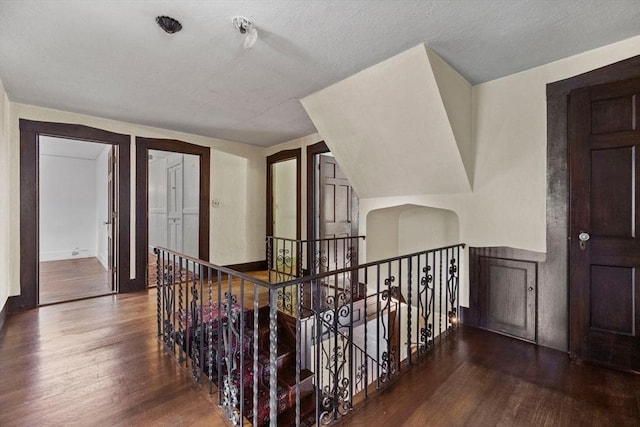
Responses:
[95,362]
[486,379]
[98,362]
[71,279]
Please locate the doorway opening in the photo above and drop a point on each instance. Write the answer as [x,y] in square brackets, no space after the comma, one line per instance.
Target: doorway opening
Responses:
[173,202]
[30,134]
[283,194]
[78,219]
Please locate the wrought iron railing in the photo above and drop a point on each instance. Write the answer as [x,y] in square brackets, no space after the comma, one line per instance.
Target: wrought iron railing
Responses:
[288,259]
[291,258]
[313,363]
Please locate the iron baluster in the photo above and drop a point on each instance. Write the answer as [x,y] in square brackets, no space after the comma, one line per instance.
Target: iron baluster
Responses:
[241,347]
[453,290]
[298,353]
[219,340]
[270,257]
[378,316]
[256,313]
[156,252]
[210,329]
[409,318]
[440,297]
[273,354]
[446,293]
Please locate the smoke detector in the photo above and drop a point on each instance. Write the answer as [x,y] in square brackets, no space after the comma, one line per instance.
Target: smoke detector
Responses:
[247,28]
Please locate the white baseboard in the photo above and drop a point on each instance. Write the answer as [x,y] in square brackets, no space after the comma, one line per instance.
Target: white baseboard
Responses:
[60,255]
[103,260]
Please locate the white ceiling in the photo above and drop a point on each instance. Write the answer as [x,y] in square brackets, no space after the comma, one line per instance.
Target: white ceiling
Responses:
[110,59]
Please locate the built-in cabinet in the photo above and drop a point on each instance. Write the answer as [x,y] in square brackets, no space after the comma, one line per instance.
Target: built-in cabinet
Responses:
[508,303]
[503,291]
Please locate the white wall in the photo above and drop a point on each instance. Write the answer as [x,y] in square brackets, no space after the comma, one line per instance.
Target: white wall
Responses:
[413,102]
[248,181]
[67,208]
[421,228]
[406,229]
[284,199]
[102,206]
[508,204]
[6,275]
[237,229]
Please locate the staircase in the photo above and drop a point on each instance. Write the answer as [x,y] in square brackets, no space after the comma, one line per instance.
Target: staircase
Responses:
[354,338]
[243,372]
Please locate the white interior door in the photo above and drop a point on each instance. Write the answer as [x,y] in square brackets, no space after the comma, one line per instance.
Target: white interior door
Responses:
[174,205]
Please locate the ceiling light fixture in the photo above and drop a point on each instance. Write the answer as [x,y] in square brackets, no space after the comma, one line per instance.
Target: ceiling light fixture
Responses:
[247,28]
[169,24]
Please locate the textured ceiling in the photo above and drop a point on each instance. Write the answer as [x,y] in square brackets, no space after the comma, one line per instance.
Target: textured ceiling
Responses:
[110,59]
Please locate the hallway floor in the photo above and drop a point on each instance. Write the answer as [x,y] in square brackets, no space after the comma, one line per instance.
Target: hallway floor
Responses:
[71,279]
[98,362]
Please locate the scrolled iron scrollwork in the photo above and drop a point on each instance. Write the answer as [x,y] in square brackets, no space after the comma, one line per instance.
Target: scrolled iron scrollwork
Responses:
[338,299]
[321,260]
[283,258]
[360,376]
[285,299]
[388,365]
[452,294]
[349,255]
[425,308]
[169,297]
[232,354]
[195,321]
[335,399]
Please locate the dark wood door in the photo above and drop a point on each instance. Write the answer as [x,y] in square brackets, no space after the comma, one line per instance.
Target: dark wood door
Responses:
[112,217]
[338,214]
[335,200]
[604,162]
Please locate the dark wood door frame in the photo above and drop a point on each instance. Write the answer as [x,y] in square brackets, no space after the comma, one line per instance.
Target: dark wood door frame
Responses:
[30,202]
[143,145]
[557,264]
[277,158]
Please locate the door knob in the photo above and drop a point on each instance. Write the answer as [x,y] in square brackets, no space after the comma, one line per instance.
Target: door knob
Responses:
[583,237]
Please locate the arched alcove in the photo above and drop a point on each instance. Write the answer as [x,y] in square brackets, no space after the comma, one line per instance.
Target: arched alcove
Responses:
[409,228]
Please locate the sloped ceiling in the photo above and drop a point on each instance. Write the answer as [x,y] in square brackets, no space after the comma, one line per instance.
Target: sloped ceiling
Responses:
[110,59]
[401,127]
